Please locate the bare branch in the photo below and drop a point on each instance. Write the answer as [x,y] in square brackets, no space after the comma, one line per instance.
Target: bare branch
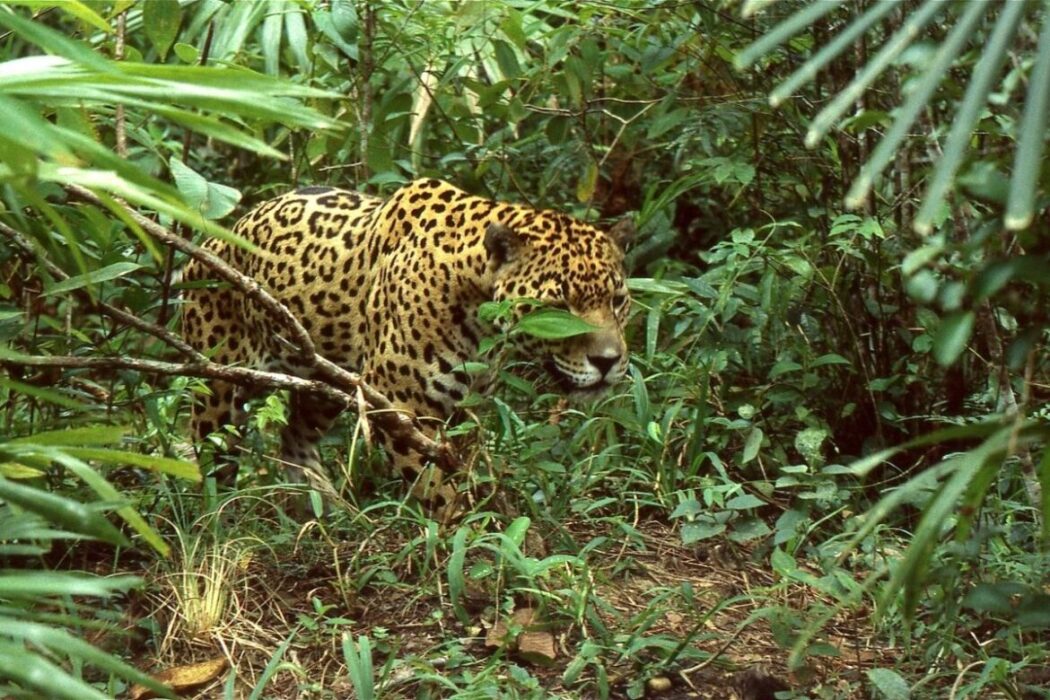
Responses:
[205,369]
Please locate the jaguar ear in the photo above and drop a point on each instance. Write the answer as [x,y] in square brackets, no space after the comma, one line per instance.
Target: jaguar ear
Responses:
[622,232]
[503,244]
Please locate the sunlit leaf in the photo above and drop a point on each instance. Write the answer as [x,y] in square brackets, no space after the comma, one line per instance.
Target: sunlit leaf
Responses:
[554,324]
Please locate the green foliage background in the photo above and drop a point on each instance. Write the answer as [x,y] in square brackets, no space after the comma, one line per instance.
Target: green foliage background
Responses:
[858,407]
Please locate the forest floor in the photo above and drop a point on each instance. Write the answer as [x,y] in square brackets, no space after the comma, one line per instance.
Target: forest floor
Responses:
[679,622]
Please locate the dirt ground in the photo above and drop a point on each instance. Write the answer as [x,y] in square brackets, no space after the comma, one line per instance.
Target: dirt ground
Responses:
[717,607]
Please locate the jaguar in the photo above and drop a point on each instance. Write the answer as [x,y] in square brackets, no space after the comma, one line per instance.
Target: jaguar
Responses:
[391,288]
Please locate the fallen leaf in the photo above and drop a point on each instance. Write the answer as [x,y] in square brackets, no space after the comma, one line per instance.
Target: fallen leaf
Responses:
[182,677]
[533,643]
[536,647]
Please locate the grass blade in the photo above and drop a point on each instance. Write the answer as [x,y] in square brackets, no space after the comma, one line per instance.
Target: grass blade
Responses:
[359,666]
[271,667]
[456,581]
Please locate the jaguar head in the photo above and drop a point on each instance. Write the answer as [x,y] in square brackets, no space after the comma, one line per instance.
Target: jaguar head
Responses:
[567,264]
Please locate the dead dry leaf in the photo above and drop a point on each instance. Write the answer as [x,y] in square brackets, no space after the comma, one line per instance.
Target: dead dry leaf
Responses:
[533,643]
[182,677]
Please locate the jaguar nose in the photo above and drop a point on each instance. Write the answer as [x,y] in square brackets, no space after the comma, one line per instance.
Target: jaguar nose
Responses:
[604,363]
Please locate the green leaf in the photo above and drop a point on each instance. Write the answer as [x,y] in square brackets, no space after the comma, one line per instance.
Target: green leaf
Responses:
[26,668]
[47,39]
[830,359]
[701,530]
[187,53]
[587,183]
[1028,157]
[744,501]
[160,20]
[43,393]
[517,530]
[783,367]
[889,683]
[358,658]
[506,59]
[752,444]
[923,286]
[952,336]
[994,598]
[212,200]
[295,27]
[554,324]
[109,272]
[271,43]
[108,492]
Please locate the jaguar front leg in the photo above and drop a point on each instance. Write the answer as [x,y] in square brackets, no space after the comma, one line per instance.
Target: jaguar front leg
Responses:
[431,483]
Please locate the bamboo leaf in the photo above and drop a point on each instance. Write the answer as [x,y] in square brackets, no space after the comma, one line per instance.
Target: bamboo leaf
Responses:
[776,36]
[1031,140]
[973,102]
[65,512]
[844,40]
[295,27]
[89,435]
[40,35]
[164,465]
[63,642]
[945,55]
[23,584]
[900,40]
[271,42]
[108,492]
[23,666]
[43,393]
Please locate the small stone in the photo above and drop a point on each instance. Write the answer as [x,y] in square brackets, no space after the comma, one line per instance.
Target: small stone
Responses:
[658,684]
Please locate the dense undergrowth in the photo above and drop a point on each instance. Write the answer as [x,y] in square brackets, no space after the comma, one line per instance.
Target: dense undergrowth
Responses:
[825,469]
